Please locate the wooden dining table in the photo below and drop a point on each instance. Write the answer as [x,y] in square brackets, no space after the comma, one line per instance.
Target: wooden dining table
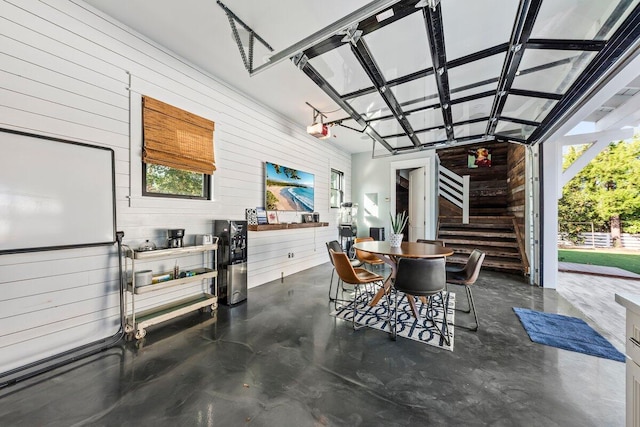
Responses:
[391,255]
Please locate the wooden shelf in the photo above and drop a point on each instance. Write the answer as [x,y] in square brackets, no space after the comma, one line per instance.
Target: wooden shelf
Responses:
[171,283]
[268,227]
[163,253]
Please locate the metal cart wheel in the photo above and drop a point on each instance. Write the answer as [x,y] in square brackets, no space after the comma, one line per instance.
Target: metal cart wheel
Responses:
[141,333]
[128,328]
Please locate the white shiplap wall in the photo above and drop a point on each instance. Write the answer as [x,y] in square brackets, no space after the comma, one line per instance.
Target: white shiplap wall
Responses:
[68,71]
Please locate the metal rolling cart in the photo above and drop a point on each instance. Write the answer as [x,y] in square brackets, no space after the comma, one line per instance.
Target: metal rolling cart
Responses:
[136,322]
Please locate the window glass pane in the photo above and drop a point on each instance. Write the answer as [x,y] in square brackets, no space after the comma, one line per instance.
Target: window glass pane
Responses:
[469,110]
[416,93]
[471,129]
[341,69]
[337,184]
[387,127]
[163,180]
[389,46]
[477,73]
[470,26]
[580,19]
[336,198]
[557,69]
[426,118]
[370,106]
[432,136]
[473,89]
[522,107]
[399,142]
[514,129]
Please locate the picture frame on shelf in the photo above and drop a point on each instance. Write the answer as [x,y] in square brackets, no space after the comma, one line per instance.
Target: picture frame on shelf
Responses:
[272,217]
[261,216]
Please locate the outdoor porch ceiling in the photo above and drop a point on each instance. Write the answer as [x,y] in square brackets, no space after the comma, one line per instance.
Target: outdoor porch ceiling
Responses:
[429,73]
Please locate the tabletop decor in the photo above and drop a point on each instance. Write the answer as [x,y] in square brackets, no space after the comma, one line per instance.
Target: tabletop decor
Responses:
[397,225]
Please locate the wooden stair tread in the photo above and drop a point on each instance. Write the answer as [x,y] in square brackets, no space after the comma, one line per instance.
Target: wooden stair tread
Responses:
[494,235]
[483,234]
[476,225]
[452,242]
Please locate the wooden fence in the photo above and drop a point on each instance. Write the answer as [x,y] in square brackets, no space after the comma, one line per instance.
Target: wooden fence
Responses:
[602,240]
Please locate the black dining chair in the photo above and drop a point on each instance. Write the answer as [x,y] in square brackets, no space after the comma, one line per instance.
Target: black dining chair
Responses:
[423,277]
[467,276]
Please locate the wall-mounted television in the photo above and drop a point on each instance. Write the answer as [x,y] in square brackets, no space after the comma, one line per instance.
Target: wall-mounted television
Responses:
[288,189]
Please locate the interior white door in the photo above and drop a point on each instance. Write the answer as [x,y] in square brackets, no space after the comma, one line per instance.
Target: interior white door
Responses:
[417,188]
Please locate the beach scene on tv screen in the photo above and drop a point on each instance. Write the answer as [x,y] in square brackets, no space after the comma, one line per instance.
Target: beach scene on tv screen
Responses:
[288,189]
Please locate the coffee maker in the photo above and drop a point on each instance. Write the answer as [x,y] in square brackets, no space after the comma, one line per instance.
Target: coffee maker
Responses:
[174,238]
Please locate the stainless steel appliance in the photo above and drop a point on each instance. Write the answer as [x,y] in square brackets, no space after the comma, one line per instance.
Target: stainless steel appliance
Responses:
[174,238]
[232,260]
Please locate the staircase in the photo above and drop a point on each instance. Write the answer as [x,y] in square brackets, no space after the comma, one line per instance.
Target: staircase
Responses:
[497,236]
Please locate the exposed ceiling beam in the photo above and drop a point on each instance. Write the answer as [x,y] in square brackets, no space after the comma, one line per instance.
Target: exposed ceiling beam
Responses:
[526,18]
[627,114]
[599,141]
[330,30]
[561,44]
[364,57]
[435,32]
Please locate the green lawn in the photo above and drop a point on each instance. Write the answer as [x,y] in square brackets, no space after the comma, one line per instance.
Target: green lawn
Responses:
[626,261]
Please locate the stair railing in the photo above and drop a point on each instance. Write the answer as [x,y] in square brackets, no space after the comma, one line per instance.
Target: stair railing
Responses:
[454,188]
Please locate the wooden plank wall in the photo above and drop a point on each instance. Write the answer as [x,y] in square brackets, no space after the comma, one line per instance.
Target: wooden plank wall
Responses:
[516,183]
[488,194]
[65,71]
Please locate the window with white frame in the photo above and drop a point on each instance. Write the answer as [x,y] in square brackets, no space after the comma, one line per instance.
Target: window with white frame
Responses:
[337,188]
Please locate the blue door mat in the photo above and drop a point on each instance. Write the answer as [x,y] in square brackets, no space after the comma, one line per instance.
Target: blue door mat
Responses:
[568,333]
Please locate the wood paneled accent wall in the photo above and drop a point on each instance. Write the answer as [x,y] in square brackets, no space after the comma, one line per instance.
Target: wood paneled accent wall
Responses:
[489,192]
[516,183]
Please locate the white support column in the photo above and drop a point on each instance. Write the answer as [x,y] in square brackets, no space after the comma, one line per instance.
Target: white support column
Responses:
[552,169]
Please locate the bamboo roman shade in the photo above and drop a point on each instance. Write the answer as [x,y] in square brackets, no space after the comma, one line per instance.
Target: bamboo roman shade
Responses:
[176,138]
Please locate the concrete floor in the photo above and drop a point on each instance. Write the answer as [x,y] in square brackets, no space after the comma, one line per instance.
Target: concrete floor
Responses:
[281,360]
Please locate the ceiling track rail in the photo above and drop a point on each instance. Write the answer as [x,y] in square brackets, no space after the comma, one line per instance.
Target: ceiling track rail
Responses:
[435,32]
[364,57]
[247,57]
[527,13]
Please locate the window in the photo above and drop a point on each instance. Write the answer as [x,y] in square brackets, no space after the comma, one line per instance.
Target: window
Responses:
[337,188]
[177,152]
[164,181]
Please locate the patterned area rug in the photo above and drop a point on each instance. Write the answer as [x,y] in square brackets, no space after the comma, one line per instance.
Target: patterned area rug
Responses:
[421,329]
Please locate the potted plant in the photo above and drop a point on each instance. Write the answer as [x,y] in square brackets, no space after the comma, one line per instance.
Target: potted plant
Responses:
[397,225]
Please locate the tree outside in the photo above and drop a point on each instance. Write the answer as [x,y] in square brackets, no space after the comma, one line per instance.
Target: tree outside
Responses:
[606,192]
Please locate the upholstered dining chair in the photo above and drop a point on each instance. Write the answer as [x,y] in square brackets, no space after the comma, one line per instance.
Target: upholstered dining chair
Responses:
[358,277]
[433,242]
[423,277]
[366,257]
[467,276]
[335,245]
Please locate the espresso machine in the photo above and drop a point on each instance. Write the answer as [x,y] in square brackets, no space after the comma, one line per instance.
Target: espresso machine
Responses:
[232,260]
[175,238]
